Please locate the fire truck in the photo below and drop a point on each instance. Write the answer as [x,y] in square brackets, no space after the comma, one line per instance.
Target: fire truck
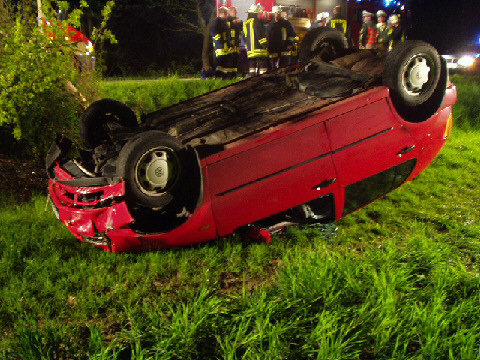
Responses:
[84,58]
[302,13]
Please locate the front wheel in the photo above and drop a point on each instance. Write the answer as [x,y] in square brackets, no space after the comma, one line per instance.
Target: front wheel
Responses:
[151,166]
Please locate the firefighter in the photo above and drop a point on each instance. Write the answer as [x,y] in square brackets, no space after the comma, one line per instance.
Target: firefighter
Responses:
[280,39]
[368,33]
[220,32]
[256,42]
[397,32]
[382,31]
[235,25]
[294,38]
[321,20]
[338,21]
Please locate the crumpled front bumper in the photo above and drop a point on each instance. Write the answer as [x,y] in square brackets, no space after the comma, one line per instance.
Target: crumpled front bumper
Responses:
[95,211]
[96,214]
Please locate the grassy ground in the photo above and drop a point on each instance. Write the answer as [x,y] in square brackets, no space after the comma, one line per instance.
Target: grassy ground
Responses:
[396,280]
[145,96]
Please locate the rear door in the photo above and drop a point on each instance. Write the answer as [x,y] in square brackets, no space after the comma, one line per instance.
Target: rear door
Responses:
[372,152]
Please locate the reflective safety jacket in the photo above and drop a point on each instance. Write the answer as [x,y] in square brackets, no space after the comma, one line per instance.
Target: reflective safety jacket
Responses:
[235,30]
[382,34]
[339,23]
[368,35]
[281,38]
[220,33]
[397,35]
[255,38]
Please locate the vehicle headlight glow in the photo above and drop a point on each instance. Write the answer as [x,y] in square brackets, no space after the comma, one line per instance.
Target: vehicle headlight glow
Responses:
[466,61]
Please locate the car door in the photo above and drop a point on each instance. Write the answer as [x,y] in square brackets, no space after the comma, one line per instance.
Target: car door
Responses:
[372,151]
[276,172]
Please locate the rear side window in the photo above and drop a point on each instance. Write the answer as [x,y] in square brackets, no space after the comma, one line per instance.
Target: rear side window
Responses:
[363,192]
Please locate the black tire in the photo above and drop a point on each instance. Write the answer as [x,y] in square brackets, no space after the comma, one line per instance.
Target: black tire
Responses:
[417,78]
[324,42]
[95,120]
[151,165]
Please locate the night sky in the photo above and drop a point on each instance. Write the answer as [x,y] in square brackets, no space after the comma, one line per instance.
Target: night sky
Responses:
[445,23]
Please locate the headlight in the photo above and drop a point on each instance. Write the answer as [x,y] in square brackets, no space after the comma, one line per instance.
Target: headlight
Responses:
[466,61]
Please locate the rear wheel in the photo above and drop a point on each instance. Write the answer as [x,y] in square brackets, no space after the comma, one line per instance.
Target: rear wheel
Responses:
[417,78]
[323,42]
[95,121]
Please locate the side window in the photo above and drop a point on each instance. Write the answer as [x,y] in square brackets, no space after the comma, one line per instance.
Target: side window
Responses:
[365,191]
[320,210]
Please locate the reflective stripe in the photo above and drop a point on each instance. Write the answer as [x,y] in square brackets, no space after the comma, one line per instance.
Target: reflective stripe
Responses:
[262,41]
[221,52]
[257,53]
[249,22]
[342,22]
[217,37]
[371,39]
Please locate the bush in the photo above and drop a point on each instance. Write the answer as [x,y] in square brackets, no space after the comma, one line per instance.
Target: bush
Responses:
[42,91]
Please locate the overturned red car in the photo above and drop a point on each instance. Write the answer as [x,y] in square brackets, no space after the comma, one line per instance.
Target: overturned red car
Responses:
[308,144]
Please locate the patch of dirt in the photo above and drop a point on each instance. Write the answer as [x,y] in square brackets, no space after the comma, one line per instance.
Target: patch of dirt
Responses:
[20,179]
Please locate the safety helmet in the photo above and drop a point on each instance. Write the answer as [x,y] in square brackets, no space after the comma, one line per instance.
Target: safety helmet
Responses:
[322,15]
[366,13]
[276,9]
[255,9]
[222,9]
[381,13]
[393,19]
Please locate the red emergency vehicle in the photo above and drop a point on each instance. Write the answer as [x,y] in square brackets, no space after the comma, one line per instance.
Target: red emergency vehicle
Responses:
[84,58]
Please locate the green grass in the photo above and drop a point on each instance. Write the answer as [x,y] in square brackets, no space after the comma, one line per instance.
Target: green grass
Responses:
[396,280]
[145,96]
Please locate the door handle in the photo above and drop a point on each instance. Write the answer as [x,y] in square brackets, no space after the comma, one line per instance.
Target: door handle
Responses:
[325,183]
[406,150]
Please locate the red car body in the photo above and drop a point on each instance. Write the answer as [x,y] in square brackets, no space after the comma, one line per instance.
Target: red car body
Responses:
[339,158]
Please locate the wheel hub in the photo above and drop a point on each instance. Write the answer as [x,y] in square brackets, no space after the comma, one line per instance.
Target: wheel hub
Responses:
[156,171]
[417,75]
